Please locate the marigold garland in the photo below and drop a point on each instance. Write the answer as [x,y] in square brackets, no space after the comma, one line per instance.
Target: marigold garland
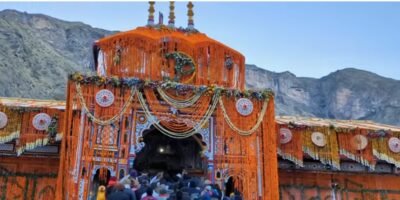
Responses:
[136,84]
[107,121]
[235,128]
[181,135]
[328,154]
[382,151]
[39,142]
[9,137]
[12,129]
[140,84]
[179,103]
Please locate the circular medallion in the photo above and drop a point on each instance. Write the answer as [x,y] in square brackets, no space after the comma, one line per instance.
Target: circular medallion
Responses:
[285,135]
[104,98]
[318,139]
[142,119]
[244,106]
[41,121]
[3,120]
[359,142]
[394,144]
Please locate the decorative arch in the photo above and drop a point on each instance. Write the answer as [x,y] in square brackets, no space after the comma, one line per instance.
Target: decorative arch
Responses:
[97,167]
[204,136]
[227,173]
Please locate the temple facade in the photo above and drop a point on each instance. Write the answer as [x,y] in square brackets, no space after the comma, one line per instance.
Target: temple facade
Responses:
[170,99]
[167,99]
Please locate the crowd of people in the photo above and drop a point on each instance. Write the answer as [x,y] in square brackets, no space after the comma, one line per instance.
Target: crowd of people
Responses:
[162,187]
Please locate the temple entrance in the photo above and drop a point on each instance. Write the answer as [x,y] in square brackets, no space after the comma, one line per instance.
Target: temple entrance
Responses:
[99,180]
[164,154]
[229,187]
[232,186]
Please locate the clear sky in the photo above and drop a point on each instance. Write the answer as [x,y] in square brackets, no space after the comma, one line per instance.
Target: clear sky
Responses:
[308,39]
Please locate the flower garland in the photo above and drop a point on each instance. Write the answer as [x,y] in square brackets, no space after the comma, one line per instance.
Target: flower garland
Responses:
[182,60]
[244,132]
[33,145]
[178,103]
[107,121]
[290,157]
[9,137]
[137,84]
[358,158]
[381,150]
[179,87]
[181,135]
[39,142]
[329,153]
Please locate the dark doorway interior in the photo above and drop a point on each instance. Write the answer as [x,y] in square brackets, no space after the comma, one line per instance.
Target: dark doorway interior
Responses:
[229,187]
[162,153]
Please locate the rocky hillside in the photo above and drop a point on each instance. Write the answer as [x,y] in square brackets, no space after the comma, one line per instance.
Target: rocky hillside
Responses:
[37,52]
[344,94]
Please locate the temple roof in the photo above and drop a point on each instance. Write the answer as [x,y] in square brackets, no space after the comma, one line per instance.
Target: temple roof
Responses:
[320,122]
[158,34]
[32,103]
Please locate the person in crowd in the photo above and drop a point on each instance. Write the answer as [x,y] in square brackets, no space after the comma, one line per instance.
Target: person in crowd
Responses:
[143,185]
[237,195]
[206,193]
[126,182]
[232,196]
[133,175]
[163,194]
[135,185]
[121,193]
[110,185]
[192,190]
[178,195]
[153,186]
[149,195]
[216,192]
[101,193]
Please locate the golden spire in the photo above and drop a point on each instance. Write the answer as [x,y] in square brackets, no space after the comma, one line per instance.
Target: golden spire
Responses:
[190,14]
[150,21]
[171,22]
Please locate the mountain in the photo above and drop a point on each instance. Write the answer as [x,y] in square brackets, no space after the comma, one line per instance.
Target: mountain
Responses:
[37,52]
[345,94]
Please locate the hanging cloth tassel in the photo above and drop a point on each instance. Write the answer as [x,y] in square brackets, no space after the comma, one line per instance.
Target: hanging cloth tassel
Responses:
[380,149]
[327,154]
[364,156]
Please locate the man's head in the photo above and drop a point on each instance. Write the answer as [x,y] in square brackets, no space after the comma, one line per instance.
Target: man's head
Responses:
[119,186]
[192,184]
[149,191]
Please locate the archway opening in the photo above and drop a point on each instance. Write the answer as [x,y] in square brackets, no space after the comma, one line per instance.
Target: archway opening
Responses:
[99,179]
[233,185]
[229,187]
[165,154]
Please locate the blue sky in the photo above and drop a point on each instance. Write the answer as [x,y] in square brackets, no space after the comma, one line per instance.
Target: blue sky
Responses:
[309,39]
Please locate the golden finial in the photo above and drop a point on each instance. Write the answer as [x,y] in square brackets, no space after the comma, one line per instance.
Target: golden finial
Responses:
[151,10]
[190,14]
[171,22]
